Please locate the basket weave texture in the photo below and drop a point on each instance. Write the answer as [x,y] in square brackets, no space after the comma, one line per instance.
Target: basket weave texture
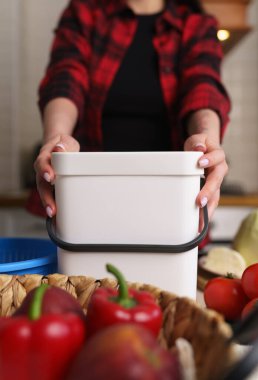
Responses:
[182,317]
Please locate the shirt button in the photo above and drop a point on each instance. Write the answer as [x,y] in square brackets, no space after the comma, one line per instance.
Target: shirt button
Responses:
[167,69]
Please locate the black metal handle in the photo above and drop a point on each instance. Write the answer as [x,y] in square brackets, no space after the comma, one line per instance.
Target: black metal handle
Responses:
[245,366]
[245,331]
[153,248]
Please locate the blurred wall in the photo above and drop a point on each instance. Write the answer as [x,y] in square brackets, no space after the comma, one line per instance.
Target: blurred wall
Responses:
[9,95]
[240,72]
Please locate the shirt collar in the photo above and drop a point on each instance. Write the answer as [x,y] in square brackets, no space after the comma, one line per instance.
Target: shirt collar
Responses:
[170,15]
[112,7]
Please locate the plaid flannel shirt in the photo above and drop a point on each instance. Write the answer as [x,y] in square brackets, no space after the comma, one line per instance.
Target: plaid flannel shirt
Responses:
[90,42]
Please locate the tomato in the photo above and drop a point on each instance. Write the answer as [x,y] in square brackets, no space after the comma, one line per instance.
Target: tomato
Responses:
[249,306]
[250,281]
[226,296]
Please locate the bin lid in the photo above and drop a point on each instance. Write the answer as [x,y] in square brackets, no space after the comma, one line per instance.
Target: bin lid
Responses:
[126,163]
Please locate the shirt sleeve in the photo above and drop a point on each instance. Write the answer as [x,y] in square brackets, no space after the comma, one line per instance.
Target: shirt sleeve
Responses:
[67,72]
[200,80]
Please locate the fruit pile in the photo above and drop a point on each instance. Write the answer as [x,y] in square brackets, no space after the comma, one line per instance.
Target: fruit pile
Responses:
[232,297]
[49,337]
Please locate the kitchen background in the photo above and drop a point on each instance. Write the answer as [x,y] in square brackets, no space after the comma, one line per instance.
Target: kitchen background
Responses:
[26,29]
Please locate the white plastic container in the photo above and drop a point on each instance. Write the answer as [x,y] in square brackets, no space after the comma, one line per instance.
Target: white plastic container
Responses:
[111,200]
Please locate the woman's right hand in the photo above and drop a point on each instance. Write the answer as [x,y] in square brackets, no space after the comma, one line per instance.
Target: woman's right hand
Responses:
[44,172]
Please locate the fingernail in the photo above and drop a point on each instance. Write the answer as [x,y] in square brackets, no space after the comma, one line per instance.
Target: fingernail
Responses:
[60,146]
[204,162]
[199,146]
[46,176]
[49,211]
[204,201]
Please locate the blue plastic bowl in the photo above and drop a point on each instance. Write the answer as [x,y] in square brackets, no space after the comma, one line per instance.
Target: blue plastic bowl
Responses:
[27,256]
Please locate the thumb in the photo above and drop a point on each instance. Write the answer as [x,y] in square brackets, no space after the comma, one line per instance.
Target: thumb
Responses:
[67,144]
[196,143]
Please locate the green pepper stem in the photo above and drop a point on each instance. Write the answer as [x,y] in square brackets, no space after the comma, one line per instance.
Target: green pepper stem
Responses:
[36,304]
[123,295]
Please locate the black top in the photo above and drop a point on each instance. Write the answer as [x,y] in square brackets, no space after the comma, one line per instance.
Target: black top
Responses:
[134,115]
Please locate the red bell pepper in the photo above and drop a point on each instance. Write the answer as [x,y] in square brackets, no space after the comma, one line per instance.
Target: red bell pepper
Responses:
[109,306]
[39,347]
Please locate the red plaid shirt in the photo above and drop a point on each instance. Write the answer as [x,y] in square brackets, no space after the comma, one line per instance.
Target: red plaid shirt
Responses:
[90,42]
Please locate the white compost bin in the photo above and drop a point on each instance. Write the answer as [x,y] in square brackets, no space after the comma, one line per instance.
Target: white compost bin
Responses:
[135,210]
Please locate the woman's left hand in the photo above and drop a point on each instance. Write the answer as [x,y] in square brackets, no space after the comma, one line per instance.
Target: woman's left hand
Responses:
[214,162]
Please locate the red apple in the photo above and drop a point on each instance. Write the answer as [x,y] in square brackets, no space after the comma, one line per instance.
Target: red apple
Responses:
[124,352]
[55,301]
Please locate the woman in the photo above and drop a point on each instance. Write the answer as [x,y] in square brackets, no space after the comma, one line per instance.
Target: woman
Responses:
[134,75]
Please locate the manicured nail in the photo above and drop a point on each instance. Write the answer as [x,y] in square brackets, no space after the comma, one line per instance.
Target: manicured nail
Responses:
[204,162]
[46,176]
[60,146]
[204,201]
[49,211]
[199,146]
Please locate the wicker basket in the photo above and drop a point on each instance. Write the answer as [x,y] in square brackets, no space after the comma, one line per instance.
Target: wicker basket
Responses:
[204,329]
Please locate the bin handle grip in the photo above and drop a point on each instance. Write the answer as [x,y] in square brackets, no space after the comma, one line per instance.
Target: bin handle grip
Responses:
[147,248]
